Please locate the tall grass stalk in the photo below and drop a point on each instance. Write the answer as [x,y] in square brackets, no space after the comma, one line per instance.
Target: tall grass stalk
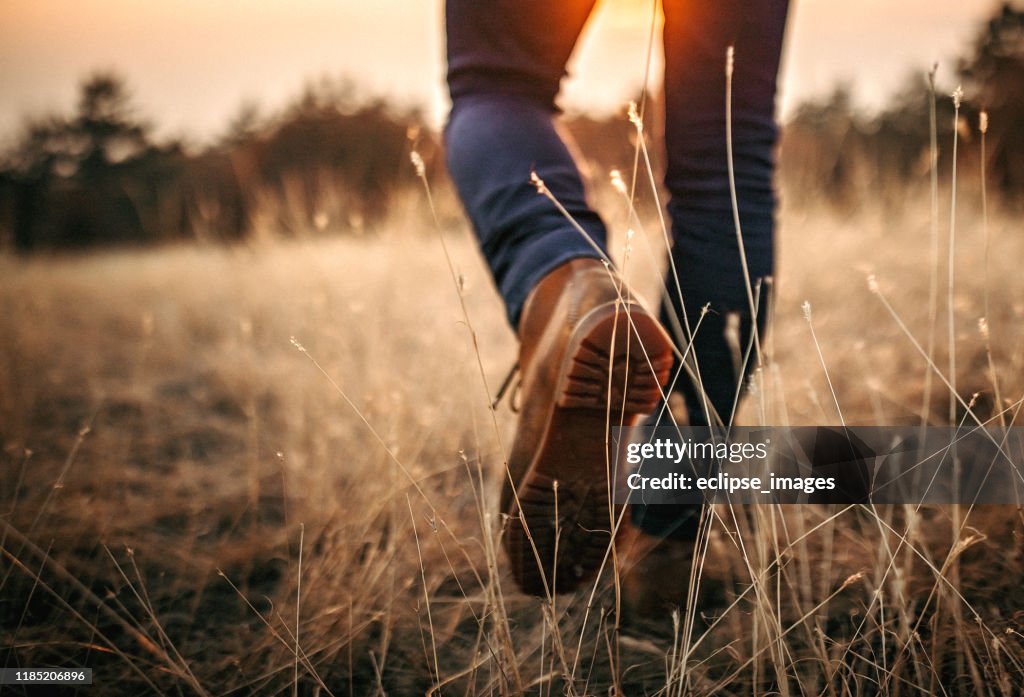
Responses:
[298,606]
[821,358]
[490,550]
[933,266]
[730,59]
[426,590]
[543,190]
[636,114]
[951,301]
[686,356]
[679,328]
[983,325]
[951,285]
[636,119]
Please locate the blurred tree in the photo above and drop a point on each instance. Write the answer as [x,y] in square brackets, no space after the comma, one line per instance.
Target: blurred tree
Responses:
[324,147]
[899,138]
[830,149]
[96,176]
[72,174]
[994,78]
[102,132]
[822,147]
[245,125]
[106,124]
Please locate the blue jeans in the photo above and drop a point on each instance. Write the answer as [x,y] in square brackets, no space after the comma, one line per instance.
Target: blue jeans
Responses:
[506,59]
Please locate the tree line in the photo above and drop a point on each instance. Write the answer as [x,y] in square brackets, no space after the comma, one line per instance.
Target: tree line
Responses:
[98,176]
[329,161]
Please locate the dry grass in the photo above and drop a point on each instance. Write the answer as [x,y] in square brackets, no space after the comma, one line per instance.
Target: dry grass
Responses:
[169,453]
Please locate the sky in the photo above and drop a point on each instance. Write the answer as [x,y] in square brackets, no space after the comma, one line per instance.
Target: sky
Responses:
[191,64]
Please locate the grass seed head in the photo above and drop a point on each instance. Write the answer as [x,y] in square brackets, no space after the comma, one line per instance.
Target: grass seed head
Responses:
[417,162]
[616,179]
[538,183]
[634,117]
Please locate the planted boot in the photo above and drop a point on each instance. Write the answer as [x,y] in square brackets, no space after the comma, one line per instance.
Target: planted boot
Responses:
[589,362]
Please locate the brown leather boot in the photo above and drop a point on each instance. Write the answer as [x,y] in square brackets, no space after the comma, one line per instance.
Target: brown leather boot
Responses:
[656,575]
[588,361]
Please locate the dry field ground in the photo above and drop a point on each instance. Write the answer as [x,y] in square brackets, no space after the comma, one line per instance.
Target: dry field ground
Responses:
[192,502]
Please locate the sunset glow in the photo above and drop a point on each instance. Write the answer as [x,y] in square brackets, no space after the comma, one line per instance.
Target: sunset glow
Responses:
[192,64]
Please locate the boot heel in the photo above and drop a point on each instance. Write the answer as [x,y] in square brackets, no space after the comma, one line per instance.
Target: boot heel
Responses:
[616,363]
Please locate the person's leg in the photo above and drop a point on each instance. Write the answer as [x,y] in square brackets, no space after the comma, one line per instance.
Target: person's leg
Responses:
[705,251]
[506,59]
[579,355]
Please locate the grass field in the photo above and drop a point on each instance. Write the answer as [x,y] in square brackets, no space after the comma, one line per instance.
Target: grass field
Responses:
[272,469]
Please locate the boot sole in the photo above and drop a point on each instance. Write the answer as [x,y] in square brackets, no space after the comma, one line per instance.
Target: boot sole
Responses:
[571,524]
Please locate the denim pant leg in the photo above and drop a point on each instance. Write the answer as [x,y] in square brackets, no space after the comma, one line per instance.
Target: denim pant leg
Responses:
[506,59]
[705,250]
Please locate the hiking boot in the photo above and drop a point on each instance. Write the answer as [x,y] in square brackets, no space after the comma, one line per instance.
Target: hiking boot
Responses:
[655,579]
[588,362]
[656,576]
